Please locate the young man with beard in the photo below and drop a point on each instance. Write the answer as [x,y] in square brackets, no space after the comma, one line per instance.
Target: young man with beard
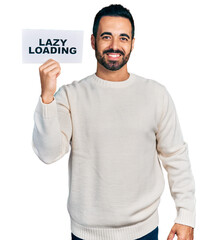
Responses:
[119,126]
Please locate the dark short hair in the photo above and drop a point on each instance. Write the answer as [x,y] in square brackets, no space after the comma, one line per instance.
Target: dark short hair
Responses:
[116,10]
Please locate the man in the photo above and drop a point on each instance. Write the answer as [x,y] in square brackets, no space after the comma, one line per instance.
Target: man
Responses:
[119,126]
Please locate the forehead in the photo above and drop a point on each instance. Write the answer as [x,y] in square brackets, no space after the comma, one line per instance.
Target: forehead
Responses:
[115,25]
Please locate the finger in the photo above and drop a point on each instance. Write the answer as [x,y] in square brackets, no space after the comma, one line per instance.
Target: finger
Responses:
[54,72]
[47,64]
[171,236]
[50,68]
[49,61]
[58,74]
[186,238]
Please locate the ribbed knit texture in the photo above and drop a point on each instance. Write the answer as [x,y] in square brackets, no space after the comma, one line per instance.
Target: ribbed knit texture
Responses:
[118,133]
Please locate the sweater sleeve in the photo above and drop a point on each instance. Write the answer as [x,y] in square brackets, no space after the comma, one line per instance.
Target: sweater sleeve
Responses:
[173,152]
[52,130]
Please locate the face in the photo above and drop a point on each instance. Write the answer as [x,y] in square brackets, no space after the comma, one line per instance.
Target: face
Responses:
[113,43]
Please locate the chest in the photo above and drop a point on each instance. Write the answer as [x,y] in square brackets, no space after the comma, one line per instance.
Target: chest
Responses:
[116,115]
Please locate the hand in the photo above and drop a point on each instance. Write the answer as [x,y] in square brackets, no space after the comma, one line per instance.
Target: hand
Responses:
[49,71]
[183,232]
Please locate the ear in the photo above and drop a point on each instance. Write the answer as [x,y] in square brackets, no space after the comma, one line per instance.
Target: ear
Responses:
[93,41]
[133,42]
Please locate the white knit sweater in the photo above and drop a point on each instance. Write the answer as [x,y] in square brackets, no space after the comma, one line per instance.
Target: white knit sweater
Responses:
[118,133]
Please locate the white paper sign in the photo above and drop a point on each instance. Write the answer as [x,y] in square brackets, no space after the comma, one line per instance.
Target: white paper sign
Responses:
[64,46]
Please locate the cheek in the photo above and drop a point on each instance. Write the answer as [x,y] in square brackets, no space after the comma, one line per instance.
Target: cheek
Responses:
[103,45]
[128,48]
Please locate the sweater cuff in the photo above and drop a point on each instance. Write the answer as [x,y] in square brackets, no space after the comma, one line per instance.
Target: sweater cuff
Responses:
[47,110]
[185,217]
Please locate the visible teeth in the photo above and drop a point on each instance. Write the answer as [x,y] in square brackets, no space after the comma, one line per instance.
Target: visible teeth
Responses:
[113,55]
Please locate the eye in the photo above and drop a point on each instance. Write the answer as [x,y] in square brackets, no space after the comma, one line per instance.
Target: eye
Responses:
[106,37]
[124,39]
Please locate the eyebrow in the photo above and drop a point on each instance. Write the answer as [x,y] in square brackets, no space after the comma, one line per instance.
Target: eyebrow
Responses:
[125,35]
[105,33]
[109,33]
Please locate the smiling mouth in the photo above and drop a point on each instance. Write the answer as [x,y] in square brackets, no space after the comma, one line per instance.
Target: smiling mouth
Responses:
[113,56]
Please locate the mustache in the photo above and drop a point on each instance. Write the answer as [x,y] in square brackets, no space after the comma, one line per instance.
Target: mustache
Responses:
[113,51]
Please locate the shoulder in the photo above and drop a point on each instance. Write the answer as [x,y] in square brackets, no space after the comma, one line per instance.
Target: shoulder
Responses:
[150,84]
[69,92]
[75,84]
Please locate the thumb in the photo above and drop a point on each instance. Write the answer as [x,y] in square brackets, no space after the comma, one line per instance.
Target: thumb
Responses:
[171,235]
[58,74]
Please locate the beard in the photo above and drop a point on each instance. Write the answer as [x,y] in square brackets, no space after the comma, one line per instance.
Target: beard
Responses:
[110,64]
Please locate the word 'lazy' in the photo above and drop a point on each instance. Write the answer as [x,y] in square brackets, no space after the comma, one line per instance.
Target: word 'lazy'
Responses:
[55,42]
[56,46]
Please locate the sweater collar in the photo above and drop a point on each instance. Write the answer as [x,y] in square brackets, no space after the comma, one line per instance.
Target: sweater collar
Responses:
[113,84]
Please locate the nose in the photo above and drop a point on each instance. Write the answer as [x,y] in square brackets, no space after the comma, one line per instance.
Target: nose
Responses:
[114,44]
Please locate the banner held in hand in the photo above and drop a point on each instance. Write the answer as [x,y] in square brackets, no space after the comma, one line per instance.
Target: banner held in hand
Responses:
[64,46]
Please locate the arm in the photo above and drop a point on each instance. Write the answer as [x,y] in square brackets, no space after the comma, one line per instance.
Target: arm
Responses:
[52,128]
[173,152]
[52,119]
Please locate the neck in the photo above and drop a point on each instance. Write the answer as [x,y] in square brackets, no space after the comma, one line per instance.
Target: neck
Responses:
[119,75]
